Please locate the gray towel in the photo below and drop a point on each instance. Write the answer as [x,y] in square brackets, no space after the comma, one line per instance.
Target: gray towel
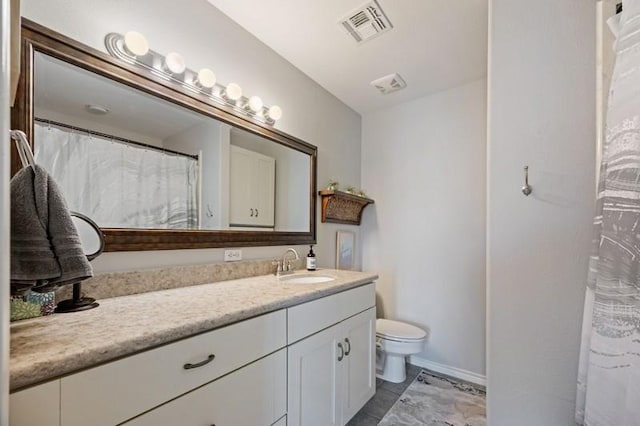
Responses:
[46,251]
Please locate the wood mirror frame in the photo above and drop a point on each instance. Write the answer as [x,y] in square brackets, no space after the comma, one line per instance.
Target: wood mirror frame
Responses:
[36,38]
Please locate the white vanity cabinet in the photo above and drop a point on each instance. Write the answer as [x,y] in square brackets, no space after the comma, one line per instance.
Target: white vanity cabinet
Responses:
[310,364]
[36,406]
[331,374]
[252,188]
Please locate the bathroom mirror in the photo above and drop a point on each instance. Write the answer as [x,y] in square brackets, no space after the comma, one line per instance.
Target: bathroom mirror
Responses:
[156,166]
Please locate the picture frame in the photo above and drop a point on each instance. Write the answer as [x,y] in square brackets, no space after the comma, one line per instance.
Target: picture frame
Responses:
[345,250]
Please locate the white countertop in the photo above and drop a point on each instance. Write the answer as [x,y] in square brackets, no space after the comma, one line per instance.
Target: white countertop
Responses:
[48,347]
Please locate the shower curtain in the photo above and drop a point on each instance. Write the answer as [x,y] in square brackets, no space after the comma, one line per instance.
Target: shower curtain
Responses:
[609,371]
[120,185]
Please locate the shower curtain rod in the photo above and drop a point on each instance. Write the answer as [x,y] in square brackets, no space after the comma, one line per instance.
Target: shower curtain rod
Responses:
[115,138]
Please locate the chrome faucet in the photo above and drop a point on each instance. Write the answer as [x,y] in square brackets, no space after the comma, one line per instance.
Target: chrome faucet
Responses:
[284,266]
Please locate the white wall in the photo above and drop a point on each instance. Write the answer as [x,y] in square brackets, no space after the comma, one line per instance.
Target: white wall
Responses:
[541,113]
[424,164]
[206,37]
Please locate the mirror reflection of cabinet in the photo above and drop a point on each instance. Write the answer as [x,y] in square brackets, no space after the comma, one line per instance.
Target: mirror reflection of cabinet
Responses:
[252,183]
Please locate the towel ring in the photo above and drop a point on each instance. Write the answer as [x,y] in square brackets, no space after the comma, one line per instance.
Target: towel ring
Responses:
[79,302]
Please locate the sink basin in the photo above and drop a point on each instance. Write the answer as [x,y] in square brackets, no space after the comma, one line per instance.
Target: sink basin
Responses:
[306,279]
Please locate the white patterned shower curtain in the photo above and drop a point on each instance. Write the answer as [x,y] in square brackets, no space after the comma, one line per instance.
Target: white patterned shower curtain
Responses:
[120,185]
[609,372]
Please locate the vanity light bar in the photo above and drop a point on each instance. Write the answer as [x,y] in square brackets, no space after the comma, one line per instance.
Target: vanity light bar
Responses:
[134,49]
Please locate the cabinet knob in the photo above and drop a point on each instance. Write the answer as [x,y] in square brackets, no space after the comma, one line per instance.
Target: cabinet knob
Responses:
[348,344]
[256,212]
[341,352]
[251,212]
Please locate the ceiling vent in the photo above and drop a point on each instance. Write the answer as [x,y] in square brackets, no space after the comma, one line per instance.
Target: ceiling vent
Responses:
[389,83]
[366,22]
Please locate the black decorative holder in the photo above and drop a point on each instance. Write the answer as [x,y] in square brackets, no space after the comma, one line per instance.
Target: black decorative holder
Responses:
[77,302]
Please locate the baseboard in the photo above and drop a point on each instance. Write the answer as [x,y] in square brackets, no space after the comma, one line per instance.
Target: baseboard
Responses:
[458,373]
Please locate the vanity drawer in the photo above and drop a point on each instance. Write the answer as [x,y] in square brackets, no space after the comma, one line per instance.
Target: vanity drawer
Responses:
[36,406]
[117,391]
[255,395]
[311,317]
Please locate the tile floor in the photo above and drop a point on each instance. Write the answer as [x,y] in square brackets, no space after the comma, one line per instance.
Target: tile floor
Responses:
[387,394]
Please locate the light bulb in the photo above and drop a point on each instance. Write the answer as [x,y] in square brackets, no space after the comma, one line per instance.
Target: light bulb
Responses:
[255,103]
[206,78]
[97,109]
[275,113]
[233,92]
[135,44]
[174,62]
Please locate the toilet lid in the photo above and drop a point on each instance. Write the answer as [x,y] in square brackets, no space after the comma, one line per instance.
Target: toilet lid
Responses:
[398,330]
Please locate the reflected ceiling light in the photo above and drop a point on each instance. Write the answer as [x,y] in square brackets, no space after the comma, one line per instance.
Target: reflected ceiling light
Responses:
[275,113]
[232,92]
[255,104]
[135,44]
[206,78]
[174,63]
[97,109]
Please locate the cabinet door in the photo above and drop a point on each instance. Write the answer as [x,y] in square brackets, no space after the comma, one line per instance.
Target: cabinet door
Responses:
[252,396]
[241,186]
[314,382]
[358,369]
[265,194]
[252,188]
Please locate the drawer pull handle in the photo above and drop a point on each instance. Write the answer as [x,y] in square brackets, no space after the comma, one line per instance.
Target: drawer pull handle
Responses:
[348,350]
[341,352]
[189,366]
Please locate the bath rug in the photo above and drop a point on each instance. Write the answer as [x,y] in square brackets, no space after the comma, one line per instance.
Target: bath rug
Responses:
[438,401]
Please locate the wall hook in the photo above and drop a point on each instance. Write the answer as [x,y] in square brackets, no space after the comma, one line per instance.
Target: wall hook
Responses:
[526,189]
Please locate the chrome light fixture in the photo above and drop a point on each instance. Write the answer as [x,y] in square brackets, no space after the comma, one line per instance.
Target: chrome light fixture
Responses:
[254,104]
[233,92]
[274,113]
[133,49]
[206,79]
[174,63]
[135,44]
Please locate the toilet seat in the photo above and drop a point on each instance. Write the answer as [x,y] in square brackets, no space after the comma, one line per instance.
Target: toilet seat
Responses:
[394,330]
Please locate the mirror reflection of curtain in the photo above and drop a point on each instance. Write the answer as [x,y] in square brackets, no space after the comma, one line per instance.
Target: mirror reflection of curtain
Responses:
[120,185]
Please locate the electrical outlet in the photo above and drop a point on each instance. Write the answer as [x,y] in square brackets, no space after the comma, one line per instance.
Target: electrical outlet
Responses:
[232,255]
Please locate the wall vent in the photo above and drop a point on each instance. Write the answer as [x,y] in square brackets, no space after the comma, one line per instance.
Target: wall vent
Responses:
[366,22]
[389,83]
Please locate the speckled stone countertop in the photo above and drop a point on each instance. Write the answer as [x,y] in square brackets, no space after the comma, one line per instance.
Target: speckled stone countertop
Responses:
[48,347]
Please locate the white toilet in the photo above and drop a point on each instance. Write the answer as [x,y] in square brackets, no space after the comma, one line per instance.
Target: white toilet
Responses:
[397,340]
